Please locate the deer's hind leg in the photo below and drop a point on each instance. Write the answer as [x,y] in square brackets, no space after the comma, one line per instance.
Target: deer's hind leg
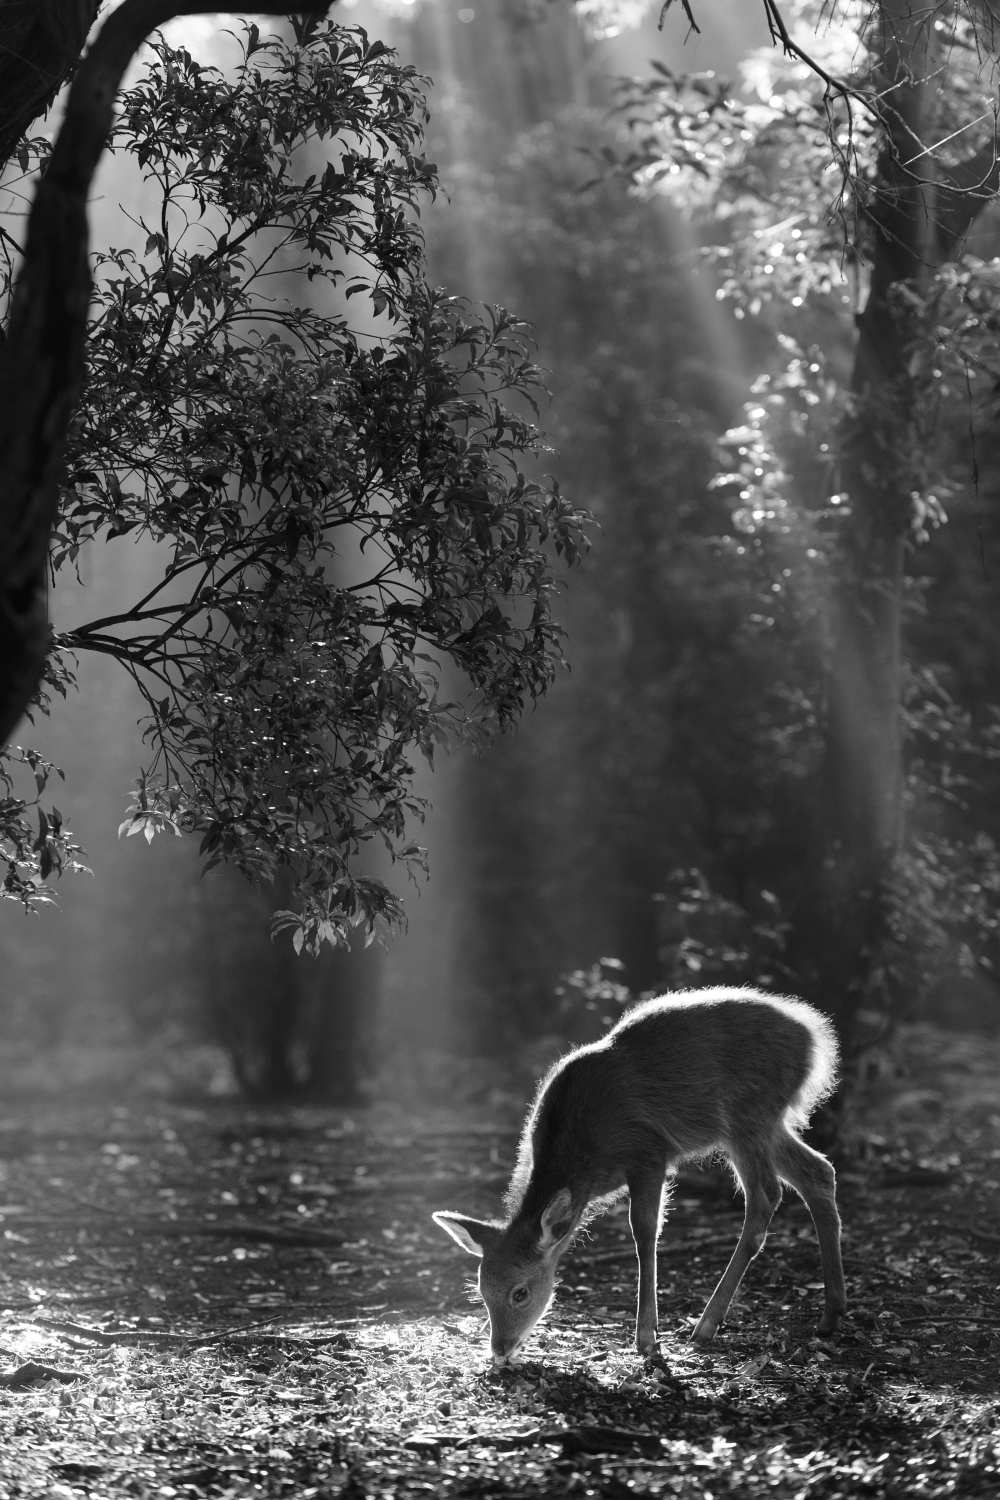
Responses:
[761,1196]
[813,1178]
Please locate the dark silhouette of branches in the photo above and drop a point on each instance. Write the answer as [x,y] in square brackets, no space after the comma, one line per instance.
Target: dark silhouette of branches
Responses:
[41,360]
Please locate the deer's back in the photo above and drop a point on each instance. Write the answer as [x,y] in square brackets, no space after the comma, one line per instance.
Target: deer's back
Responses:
[690,1072]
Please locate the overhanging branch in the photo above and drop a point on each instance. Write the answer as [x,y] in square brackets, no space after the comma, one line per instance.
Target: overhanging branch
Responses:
[40,41]
[41,361]
[782,37]
[963,192]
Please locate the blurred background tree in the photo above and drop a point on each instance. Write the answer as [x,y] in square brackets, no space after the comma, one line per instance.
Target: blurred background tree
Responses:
[843,467]
[336,502]
[765,766]
[761,768]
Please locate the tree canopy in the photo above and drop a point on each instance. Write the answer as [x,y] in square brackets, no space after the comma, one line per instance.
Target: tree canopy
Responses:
[329,455]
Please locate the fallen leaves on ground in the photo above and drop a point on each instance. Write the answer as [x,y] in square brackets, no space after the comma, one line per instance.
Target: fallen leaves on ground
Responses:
[215,1301]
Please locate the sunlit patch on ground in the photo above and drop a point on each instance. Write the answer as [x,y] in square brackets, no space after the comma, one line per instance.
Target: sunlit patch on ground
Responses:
[25,1341]
[343,1356]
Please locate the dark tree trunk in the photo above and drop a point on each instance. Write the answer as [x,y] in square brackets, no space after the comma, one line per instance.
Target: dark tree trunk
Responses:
[917,215]
[292,1026]
[41,360]
[344,987]
[40,44]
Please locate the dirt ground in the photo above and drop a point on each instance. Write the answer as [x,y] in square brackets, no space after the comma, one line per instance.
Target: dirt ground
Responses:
[197,1299]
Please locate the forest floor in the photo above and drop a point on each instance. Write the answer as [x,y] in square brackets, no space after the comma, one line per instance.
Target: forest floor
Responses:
[200,1299]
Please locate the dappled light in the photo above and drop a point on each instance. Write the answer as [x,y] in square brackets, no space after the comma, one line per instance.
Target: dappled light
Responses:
[210,1297]
[519,543]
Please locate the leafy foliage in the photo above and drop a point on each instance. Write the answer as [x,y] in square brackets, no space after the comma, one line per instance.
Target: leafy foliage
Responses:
[588,1002]
[578,817]
[32,855]
[750,161]
[336,488]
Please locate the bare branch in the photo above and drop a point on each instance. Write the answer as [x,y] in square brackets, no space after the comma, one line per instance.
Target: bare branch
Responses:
[689,13]
[781,36]
[964,191]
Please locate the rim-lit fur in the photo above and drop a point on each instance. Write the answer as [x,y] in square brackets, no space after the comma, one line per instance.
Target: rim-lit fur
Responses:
[735,1071]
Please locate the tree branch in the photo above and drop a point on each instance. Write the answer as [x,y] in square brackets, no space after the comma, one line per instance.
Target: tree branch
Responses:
[41,361]
[40,41]
[782,37]
[963,192]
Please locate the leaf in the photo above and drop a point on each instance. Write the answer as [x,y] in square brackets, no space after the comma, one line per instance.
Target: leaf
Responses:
[257,449]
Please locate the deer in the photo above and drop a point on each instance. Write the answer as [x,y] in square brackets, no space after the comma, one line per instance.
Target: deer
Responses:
[693,1073]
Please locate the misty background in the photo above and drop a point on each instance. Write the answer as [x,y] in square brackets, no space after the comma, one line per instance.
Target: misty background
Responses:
[639,828]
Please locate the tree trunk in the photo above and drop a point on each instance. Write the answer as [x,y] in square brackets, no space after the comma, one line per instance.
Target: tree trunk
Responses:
[918,214]
[40,43]
[42,358]
[343,988]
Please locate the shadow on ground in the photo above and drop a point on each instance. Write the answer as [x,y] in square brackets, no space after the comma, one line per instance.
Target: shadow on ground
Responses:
[202,1299]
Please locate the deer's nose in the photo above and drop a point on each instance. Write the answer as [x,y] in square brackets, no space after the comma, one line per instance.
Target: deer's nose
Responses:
[502,1350]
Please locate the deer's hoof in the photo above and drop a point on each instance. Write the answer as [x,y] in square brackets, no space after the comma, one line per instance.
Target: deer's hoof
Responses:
[829,1323]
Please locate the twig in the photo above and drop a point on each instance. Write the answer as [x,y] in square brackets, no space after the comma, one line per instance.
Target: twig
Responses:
[32,1373]
[237,1229]
[124,1336]
[689,13]
[163,1338]
[586,1438]
[781,35]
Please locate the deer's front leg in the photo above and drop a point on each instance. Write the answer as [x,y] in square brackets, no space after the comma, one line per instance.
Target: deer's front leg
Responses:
[645,1215]
[762,1194]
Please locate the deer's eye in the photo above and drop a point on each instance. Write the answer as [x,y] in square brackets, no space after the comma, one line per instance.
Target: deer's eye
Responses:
[519,1296]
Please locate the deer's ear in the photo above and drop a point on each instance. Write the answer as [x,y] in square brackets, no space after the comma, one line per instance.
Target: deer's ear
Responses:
[557,1219]
[473,1235]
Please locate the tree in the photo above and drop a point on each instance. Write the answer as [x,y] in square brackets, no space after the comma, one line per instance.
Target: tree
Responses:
[916,211]
[41,367]
[591,799]
[336,495]
[909,198]
[40,44]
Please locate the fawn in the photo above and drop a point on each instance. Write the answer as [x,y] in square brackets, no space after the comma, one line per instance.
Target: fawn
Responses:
[723,1070]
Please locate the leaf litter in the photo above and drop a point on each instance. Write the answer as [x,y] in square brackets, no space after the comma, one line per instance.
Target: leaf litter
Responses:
[223,1301]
